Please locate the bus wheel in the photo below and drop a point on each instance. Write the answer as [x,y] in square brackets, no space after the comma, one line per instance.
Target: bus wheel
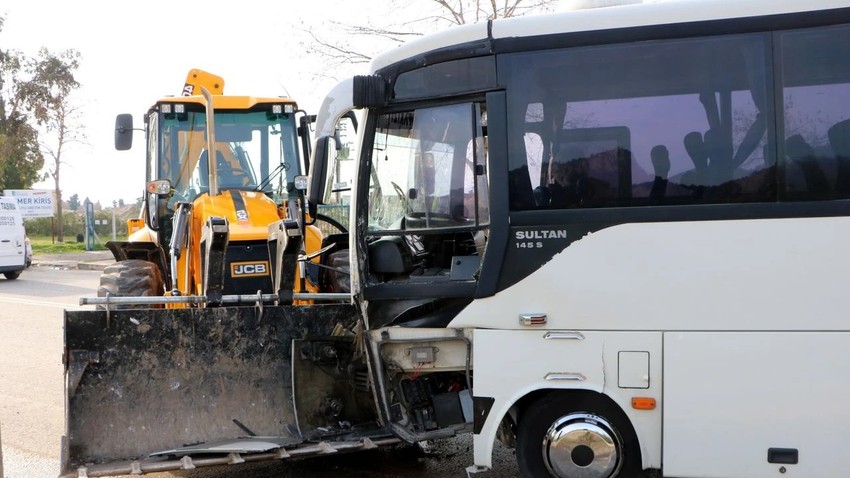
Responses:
[576,434]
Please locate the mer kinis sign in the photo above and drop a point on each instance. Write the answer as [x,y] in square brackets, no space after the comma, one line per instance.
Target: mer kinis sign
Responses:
[33,202]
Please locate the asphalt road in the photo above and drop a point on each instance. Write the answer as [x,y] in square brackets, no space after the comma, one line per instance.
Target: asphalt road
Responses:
[32,399]
[31,377]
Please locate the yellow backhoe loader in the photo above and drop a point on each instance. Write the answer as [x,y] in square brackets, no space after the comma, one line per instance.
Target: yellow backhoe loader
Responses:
[192,341]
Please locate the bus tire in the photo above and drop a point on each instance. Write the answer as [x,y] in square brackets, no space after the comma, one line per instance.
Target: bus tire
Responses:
[12,275]
[576,433]
[131,278]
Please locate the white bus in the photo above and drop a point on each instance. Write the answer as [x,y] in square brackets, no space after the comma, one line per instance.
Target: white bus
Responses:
[638,217]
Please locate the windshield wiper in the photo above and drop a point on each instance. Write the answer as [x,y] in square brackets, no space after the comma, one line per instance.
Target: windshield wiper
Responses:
[280,167]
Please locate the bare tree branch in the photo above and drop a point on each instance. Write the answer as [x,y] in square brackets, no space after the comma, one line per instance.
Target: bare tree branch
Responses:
[456,14]
[360,43]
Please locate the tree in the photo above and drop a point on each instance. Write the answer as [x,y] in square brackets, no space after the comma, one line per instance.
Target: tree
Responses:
[20,156]
[343,49]
[74,202]
[49,92]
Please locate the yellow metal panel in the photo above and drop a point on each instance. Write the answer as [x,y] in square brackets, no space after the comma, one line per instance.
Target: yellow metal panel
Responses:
[199,78]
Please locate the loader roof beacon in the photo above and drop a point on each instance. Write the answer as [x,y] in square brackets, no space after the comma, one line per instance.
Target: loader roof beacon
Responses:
[606,237]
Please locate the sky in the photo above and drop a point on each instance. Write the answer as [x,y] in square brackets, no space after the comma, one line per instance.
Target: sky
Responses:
[135,52]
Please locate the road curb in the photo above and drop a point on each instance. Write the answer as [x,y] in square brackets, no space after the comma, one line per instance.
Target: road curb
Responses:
[67,265]
[90,261]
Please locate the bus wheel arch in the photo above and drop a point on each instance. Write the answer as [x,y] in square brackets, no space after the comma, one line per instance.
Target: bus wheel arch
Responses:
[566,433]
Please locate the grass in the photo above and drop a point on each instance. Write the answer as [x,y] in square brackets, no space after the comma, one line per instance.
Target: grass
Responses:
[47,245]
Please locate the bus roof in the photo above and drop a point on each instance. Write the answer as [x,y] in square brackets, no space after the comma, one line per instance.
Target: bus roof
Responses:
[598,19]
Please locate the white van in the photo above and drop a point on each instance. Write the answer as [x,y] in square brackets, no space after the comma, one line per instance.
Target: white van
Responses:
[13,239]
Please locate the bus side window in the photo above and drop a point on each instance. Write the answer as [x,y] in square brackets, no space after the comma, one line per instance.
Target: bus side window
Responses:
[839,139]
[816,94]
[672,91]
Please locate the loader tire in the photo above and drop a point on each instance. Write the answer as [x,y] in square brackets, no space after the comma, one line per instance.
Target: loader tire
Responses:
[131,278]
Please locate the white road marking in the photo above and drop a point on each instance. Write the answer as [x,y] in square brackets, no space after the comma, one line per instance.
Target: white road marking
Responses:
[45,303]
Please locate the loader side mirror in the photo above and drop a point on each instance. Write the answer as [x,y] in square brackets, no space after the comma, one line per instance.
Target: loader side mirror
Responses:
[123,132]
[152,212]
[301,184]
[157,191]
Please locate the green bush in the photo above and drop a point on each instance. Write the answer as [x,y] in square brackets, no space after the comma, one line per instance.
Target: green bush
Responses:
[75,224]
[46,226]
[45,245]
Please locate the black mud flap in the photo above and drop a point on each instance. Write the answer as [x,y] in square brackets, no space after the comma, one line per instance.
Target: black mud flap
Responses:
[143,382]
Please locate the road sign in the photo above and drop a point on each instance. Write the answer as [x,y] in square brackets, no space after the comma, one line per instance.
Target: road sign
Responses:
[33,202]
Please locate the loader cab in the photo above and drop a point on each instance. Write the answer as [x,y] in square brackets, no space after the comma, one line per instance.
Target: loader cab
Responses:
[258,145]
[256,150]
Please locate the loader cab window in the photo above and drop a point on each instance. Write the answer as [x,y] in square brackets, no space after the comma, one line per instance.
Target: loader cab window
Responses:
[428,196]
[255,151]
[158,210]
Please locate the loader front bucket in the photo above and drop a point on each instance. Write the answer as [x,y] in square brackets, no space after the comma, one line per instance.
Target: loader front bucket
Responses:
[141,382]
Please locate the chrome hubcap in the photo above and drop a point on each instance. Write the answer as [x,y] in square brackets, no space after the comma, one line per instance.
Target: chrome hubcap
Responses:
[582,445]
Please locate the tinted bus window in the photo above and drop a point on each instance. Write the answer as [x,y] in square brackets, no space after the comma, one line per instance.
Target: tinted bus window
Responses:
[451,77]
[667,122]
[816,96]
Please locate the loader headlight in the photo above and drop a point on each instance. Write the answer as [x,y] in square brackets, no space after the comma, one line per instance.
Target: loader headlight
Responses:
[168,108]
[300,182]
[281,109]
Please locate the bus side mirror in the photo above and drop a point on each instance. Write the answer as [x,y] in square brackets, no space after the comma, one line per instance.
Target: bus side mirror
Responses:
[123,132]
[369,91]
[318,172]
